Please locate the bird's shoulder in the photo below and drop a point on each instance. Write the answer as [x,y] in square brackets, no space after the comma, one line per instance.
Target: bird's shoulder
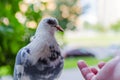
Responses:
[22,55]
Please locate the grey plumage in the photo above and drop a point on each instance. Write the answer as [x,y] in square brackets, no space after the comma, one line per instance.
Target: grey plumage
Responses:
[41,59]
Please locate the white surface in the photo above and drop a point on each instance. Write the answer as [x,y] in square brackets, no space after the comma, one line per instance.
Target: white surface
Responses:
[71,74]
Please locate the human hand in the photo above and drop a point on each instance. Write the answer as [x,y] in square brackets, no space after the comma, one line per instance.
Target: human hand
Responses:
[108,71]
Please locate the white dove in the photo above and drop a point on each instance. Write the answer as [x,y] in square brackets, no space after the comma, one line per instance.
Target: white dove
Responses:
[41,59]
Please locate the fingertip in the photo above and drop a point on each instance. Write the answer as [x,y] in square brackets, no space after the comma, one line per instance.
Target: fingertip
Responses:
[82,64]
[101,64]
[81,61]
[94,70]
[85,70]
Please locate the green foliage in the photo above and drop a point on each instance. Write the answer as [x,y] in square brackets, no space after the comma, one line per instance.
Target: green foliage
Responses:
[9,40]
[116,27]
[96,27]
[13,34]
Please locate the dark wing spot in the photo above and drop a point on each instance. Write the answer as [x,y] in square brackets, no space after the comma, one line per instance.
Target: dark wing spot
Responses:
[27,63]
[43,61]
[23,54]
[57,52]
[54,55]
[27,50]
[19,75]
[51,47]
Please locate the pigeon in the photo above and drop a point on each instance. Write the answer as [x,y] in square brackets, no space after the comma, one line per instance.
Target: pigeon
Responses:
[41,59]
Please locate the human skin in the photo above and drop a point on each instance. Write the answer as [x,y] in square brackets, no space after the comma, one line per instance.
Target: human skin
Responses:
[108,71]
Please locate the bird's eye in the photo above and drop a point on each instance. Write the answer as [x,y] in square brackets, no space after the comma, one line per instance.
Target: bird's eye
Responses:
[51,21]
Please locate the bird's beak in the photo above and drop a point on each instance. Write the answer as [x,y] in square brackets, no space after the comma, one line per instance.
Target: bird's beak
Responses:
[59,28]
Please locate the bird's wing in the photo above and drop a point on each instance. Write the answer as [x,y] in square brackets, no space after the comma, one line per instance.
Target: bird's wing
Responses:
[21,59]
[28,56]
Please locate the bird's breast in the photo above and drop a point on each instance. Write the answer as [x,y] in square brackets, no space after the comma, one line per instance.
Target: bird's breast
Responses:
[48,62]
[45,69]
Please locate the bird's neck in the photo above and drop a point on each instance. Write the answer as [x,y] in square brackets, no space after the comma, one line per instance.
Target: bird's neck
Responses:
[47,36]
[44,33]
[38,43]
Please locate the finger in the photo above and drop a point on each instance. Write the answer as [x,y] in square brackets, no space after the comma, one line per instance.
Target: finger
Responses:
[94,78]
[85,70]
[94,70]
[101,64]
[82,64]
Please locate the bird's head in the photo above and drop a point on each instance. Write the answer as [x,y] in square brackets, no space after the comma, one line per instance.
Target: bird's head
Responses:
[49,24]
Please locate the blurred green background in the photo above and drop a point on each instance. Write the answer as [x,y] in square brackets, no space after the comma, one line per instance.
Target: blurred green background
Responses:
[19,19]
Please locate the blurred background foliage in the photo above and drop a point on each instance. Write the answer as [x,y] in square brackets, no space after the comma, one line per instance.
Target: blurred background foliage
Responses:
[101,28]
[96,27]
[19,19]
[116,27]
